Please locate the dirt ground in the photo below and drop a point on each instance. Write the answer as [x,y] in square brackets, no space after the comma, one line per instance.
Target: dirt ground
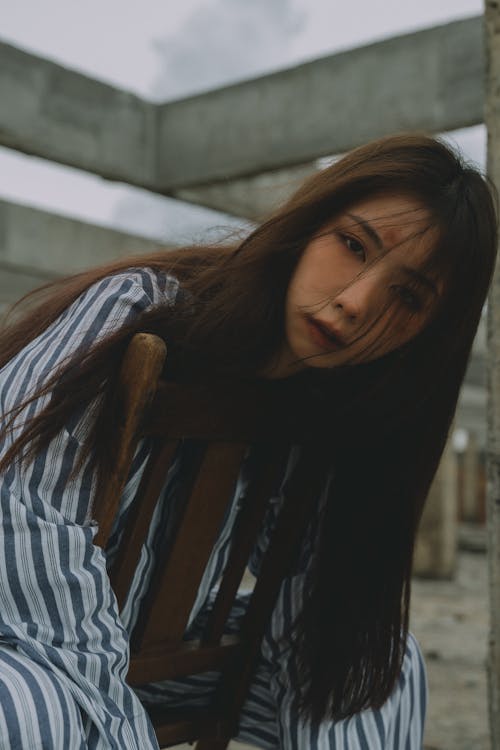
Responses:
[450,620]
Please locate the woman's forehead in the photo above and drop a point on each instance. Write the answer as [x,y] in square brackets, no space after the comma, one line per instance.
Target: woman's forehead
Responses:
[391,217]
[391,203]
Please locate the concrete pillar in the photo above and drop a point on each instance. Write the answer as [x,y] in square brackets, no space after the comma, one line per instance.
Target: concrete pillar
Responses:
[492,121]
[436,547]
[470,480]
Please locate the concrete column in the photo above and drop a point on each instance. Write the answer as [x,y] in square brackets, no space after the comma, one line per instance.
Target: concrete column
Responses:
[436,547]
[470,480]
[492,121]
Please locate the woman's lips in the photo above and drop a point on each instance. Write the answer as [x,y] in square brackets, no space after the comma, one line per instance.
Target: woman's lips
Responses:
[322,335]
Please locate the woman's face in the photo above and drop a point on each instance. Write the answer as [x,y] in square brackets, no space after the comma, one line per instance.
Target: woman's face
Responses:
[358,290]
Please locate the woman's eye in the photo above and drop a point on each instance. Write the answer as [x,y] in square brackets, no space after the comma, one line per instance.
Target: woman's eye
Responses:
[354,246]
[409,298]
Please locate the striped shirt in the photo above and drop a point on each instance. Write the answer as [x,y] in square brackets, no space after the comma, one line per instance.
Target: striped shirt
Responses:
[63,644]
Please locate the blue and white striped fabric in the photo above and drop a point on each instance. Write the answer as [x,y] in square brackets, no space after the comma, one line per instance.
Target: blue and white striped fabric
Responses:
[63,645]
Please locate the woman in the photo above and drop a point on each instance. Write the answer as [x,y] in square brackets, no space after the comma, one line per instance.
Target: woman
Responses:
[360,296]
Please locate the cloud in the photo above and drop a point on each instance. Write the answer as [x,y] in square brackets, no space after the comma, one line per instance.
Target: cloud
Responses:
[224,41]
[221,42]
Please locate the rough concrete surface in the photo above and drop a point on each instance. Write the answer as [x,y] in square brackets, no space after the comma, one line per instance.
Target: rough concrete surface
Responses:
[450,620]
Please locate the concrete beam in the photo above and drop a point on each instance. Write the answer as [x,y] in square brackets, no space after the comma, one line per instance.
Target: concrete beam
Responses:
[430,80]
[36,246]
[67,117]
[250,197]
[16,281]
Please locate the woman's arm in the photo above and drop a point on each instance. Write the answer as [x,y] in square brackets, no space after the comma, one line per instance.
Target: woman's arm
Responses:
[57,606]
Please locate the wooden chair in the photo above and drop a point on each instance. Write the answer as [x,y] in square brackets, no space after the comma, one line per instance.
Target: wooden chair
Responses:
[224,422]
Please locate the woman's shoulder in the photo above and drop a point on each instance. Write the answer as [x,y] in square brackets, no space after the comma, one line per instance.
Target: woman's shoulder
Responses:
[115,299]
[155,286]
[107,304]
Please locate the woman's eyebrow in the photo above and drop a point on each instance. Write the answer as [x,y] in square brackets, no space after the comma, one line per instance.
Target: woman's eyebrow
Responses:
[368,229]
[421,278]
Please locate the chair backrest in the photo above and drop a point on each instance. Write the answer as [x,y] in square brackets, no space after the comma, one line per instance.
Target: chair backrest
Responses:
[223,422]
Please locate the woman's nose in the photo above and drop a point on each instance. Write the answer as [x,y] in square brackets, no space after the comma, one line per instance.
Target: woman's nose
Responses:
[361,297]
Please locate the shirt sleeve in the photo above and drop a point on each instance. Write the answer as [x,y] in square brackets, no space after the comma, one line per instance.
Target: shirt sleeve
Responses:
[57,606]
[49,486]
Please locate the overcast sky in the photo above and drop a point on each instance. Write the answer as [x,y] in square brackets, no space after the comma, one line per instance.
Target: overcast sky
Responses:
[165,49]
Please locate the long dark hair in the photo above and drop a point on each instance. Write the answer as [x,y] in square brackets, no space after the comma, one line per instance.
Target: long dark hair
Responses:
[381,425]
